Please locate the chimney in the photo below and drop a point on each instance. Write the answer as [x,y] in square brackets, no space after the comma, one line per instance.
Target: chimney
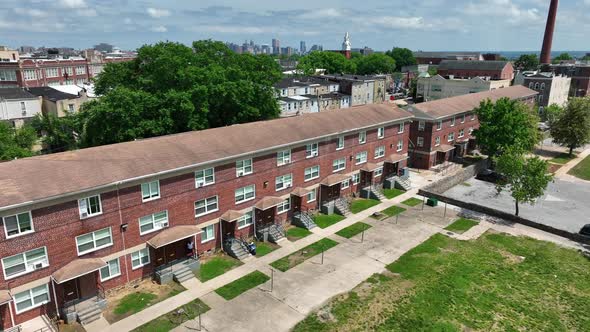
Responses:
[549,28]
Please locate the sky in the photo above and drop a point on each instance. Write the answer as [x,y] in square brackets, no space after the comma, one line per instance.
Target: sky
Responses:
[429,25]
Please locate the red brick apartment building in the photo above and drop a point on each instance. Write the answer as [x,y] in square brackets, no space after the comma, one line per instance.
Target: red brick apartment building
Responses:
[496,70]
[442,129]
[81,222]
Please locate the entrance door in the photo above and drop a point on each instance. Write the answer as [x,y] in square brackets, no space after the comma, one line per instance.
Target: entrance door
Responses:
[87,284]
[160,255]
[70,288]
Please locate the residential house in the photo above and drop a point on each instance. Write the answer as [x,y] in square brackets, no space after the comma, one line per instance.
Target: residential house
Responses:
[57,102]
[438,87]
[552,89]
[18,106]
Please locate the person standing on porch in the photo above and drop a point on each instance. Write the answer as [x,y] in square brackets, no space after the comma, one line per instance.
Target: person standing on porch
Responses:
[190,248]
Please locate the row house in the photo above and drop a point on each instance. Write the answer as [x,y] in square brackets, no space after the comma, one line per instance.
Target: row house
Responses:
[79,223]
[580,78]
[443,129]
[438,87]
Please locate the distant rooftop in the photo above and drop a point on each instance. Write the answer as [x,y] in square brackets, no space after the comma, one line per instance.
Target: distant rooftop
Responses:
[51,93]
[471,65]
[15,93]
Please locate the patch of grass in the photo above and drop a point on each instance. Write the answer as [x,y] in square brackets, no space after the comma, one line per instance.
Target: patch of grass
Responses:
[562,158]
[297,233]
[134,303]
[303,254]
[265,248]
[239,286]
[353,230]
[216,266]
[174,318]
[393,210]
[495,283]
[412,201]
[582,169]
[461,225]
[466,184]
[362,204]
[391,193]
[327,220]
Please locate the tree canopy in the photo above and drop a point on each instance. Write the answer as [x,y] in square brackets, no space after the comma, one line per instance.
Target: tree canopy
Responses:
[562,57]
[571,127]
[332,62]
[57,134]
[527,62]
[16,143]
[377,63]
[402,56]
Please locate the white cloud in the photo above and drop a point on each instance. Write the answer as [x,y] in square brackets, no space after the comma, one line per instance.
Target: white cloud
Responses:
[30,12]
[127,20]
[158,13]
[394,22]
[159,28]
[322,13]
[73,3]
[502,8]
[86,12]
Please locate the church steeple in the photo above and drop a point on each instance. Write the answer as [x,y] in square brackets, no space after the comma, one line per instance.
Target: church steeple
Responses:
[346,45]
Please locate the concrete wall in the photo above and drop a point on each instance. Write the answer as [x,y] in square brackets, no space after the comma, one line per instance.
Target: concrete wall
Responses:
[461,176]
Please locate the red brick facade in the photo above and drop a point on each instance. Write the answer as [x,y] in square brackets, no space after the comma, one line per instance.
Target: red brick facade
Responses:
[507,73]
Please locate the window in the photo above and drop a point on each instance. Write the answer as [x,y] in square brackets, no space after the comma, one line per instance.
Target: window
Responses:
[542,86]
[437,141]
[361,157]
[421,125]
[400,145]
[439,125]
[283,182]
[540,99]
[311,196]
[140,258]
[111,270]
[362,137]
[463,118]
[69,70]
[31,298]
[80,70]
[531,85]
[89,206]
[451,137]
[461,132]
[472,116]
[206,206]
[452,121]
[245,194]
[420,141]
[245,220]
[283,157]
[150,190]
[208,234]
[71,108]
[400,130]
[51,72]
[338,164]
[23,106]
[311,173]
[356,178]
[93,241]
[30,74]
[311,150]
[379,152]
[153,222]
[23,263]
[204,177]
[7,75]
[537,86]
[284,207]
[18,224]
[243,167]
[378,172]
[380,132]
[340,143]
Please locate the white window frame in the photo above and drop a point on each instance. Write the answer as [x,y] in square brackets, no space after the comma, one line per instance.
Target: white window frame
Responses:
[140,255]
[286,181]
[362,137]
[338,165]
[206,206]
[85,203]
[340,143]
[356,178]
[451,137]
[439,124]
[244,167]
[109,269]
[31,296]
[203,179]
[379,152]
[311,171]
[311,196]
[472,116]
[345,184]
[421,125]
[437,141]
[453,119]
[18,225]
[420,141]
[246,220]
[380,132]
[205,236]
[311,150]
[283,157]
[150,187]
[245,192]
[462,118]
[361,157]
[400,145]
[94,241]
[461,133]
[29,266]
[156,224]
[400,129]
[378,172]
[285,206]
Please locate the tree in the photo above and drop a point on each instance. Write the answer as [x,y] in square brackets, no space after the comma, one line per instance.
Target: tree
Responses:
[402,56]
[506,124]
[525,178]
[332,62]
[571,127]
[551,113]
[16,143]
[432,71]
[58,134]
[586,58]
[562,57]
[377,63]
[527,62]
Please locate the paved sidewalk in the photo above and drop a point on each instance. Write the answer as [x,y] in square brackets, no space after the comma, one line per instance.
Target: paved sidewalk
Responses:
[562,172]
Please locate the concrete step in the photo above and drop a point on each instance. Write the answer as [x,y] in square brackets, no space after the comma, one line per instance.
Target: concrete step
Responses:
[89,314]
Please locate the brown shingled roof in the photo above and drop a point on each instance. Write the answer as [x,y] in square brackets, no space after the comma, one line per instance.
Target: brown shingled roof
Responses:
[77,268]
[41,177]
[173,234]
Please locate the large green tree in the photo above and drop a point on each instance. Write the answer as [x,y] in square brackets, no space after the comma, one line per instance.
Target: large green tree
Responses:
[376,63]
[506,124]
[332,62]
[527,62]
[16,143]
[402,56]
[571,127]
[562,57]
[526,178]
[58,134]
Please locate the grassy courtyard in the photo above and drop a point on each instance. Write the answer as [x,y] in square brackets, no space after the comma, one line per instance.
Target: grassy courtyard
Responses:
[362,204]
[412,202]
[239,286]
[391,193]
[582,170]
[174,318]
[303,254]
[297,233]
[562,158]
[393,210]
[216,266]
[496,283]
[327,220]
[353,230]
[461,225]
[265,248]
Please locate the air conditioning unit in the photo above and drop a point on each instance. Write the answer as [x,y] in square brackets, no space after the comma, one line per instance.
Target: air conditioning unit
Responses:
[164,224]
[24,113]
[200,184]
[38,266]
[84,215]
[240,173]
[314,154]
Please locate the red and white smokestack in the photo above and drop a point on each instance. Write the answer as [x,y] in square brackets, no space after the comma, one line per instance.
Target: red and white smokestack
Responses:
[549,28]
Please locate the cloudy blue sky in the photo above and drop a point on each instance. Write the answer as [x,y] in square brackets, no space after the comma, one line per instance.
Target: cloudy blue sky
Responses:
[420,25]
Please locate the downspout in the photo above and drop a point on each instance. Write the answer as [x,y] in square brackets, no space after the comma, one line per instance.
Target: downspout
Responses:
[121,230]
[54,299]
[11,314]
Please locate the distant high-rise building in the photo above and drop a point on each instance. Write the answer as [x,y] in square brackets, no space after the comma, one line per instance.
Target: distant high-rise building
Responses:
[104,48]
[316,47]
[276,46]
[26,49]
[302,47]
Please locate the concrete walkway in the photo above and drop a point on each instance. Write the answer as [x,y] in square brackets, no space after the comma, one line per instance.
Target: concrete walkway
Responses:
[562,171]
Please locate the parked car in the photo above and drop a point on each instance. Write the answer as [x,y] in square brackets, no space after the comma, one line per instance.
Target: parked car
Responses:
[491,176]
[585,231]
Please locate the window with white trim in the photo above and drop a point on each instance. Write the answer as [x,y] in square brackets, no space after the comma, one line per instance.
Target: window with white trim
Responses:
[340,143]
[204,177]
[112,270]
[140,258]
[150,191]
[461,133]
[437,141]
[362,137]
[470,130]
[400,145]
[378,172]
[283,182]
[452,121]
[51,72]
[18,224]
[284,206]
[208,234]
[94,241]
[400,129]
[31,298]
[420,141]
[245,194]
[245,220]
[421,125]
[23,263]
[439,125]
[153,222]
[30,74]
[356,178]
[338,165]
[206,206]
[244,167]
[361,157]
[311,173]
[451,137]
[463,118]
[380,132]
[69,70]
[89,206]
[380,152]
[80,70]
[345,184]
[311,196]
[311,150]
[283,157]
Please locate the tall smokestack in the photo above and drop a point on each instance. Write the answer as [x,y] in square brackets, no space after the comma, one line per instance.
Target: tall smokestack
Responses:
[549,28]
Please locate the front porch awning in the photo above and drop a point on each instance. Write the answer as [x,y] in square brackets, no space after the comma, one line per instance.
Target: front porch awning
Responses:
[370,167]
[334,179]
[268,202]
[5,296]
[173,234]
[300,192]
[77,268]
[231,215]
[444,148]
[395,158]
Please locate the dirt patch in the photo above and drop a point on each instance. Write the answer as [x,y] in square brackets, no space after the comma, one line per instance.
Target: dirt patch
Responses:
[552,168]
[512,258]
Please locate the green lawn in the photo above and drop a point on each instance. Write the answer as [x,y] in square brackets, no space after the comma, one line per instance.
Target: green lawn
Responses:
[303,254]
[495,283]
[265,248]
[393,210]
[412,201]
[391,193]
[297,233]
[326,220]
[362,204]
[237,287]
[216,266]
[174,318]
[134,303]
[461,225]
[562,158]
[582,170]
[353,230]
